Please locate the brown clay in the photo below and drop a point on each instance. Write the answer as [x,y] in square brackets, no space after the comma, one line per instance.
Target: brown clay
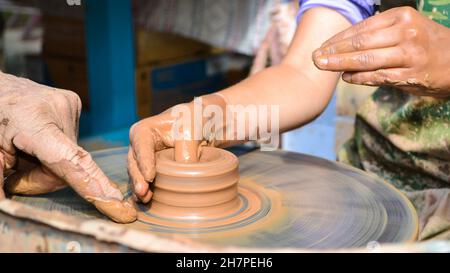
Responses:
[187,151]
[202,190]
[119,211]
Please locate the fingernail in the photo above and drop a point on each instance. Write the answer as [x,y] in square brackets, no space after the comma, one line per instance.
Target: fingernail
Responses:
[147,197]
[140,189]
[323,61]
[346,77]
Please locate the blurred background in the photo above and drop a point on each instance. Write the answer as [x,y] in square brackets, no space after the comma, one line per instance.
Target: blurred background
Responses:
[130,59]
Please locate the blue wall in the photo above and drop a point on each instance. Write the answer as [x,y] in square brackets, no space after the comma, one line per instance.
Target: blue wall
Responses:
[111,67]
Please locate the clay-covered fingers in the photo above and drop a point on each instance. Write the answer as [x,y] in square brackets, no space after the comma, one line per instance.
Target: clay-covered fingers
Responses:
[367,46]
[7,161]
[375,78]
[368,60]
[141,187]
[64,158]
[38,180]
[144,142]
[400,78]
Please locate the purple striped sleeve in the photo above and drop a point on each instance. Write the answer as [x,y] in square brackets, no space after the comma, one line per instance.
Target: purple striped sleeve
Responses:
[354,10]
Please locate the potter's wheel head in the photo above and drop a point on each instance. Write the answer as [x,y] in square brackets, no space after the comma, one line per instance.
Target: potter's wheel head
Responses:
[305,202]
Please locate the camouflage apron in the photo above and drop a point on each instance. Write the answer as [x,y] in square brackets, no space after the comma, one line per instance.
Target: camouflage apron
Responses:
[405,139]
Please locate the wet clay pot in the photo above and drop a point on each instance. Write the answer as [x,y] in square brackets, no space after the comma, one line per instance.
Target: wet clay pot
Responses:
[204,190]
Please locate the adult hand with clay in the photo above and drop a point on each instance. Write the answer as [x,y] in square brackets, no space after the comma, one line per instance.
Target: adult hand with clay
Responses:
[38,150]
[399,47]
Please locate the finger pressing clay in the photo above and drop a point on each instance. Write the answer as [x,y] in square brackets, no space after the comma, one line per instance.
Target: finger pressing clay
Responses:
[118,211]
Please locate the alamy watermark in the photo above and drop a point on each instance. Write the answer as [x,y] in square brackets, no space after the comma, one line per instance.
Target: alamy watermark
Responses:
[73,247]
[73,2]
[234,123]
[373,246]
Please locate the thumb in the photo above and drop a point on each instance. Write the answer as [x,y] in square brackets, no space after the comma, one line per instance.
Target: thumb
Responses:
[67,160]
[38,180]
[7,161]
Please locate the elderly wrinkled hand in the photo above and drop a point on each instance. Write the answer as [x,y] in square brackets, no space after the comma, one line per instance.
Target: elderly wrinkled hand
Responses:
[399,47]
[38,150]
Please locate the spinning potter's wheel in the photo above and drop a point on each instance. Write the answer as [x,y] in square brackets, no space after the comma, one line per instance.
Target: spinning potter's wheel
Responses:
[284,200]
[204,196]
